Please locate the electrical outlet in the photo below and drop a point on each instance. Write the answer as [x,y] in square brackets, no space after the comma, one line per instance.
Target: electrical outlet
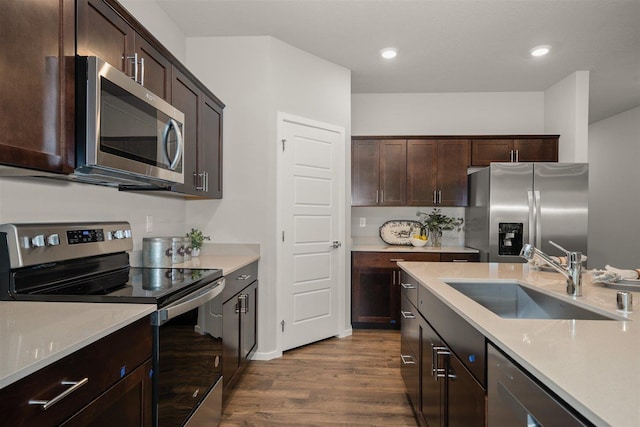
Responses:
[149,223]
[363,222]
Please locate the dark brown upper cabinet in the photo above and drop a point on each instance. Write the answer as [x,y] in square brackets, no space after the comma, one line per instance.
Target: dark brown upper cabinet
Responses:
[535,148]
[37,88]
[103,32]
[409,172]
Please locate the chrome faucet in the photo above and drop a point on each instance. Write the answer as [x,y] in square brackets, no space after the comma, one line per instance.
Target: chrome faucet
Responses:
[573,270]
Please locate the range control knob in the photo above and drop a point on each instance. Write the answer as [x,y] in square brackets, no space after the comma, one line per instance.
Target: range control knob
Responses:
[118,234]
[127,234]
[53,240]
[37,241]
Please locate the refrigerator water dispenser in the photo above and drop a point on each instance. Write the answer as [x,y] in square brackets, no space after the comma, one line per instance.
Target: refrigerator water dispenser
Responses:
[510,238]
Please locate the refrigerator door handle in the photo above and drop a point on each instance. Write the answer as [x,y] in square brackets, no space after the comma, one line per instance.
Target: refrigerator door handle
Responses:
[532,218]
[538,218]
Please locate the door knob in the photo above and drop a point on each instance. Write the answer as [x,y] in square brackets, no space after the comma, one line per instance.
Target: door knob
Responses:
[336,244]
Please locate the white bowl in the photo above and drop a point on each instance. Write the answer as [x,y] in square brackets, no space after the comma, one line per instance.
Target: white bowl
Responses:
[418,242]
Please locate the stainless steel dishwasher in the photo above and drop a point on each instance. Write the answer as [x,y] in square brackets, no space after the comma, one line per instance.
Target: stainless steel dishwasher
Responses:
[515,399]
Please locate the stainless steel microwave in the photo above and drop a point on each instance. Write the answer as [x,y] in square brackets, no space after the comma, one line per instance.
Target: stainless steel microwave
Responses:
[126,135]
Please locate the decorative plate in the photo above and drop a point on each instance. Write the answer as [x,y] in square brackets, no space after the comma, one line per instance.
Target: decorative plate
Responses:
[398,232]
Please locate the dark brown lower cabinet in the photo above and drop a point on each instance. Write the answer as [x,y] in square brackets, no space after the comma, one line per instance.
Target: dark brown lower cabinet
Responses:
[376,284]
[441,389]
[115,375]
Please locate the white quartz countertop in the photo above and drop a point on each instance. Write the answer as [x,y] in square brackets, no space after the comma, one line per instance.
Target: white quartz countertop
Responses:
[594,365]
[36,334]
[227,263]
[400,248]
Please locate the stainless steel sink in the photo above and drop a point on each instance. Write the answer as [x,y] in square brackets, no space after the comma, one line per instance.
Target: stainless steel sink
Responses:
[511,300]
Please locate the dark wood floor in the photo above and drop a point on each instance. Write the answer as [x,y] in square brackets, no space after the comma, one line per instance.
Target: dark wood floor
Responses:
[351,381]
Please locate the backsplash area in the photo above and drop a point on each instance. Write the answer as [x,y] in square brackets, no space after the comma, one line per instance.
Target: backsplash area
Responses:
[374,217]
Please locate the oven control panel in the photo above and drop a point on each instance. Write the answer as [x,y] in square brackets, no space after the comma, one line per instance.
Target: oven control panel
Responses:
[33,244]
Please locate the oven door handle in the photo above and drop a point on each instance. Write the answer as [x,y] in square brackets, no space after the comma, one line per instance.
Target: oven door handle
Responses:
[202,296]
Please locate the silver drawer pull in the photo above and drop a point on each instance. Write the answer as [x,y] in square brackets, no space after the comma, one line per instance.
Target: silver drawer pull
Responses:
[407,360]
[459,260]
[244,277]
[396,260]
[46,404]
[407,314]
[408,285]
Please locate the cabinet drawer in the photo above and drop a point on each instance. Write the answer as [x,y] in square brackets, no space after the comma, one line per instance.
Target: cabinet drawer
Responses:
[410,324]
[102,363]
[409,288]
[459,257]
[390,259]
[239,279]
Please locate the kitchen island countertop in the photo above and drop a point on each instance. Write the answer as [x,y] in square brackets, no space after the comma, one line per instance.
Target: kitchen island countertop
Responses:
[594,365]
[35,334]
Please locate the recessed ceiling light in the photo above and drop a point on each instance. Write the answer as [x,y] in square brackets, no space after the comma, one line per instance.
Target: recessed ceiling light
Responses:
[389,52]
[540,50]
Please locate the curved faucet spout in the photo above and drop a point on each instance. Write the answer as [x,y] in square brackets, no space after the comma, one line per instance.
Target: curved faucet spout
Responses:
[572,272]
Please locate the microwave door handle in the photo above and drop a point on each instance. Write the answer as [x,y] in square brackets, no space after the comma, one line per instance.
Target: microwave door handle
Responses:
[172,124]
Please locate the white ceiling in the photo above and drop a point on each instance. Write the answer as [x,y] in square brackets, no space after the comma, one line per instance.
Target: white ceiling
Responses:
[446,45]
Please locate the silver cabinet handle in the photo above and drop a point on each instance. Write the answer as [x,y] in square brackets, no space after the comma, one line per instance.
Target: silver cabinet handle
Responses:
[396,260]
[46,404]
[517,155]
[141,81]
[440,351]
[439,197]
[408,285]
[381,196]
[243,304]
[377,194]
[459,260]
[134,60]
[244,277]
[407,360]
[407,314]
[435,197]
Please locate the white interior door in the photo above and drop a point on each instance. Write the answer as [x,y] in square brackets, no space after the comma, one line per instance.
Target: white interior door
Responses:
[311,215]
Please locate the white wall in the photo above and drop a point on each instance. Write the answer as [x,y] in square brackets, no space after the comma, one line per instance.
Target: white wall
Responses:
[614,191]
[154,19]
[48,200]
[566,112]
[257,77]
[448,113]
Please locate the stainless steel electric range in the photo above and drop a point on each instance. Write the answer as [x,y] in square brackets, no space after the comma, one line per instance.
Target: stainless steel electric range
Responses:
[89,262]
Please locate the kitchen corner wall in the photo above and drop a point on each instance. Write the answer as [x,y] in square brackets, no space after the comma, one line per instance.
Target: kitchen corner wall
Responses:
[614,192]
[257,77]
[488,113]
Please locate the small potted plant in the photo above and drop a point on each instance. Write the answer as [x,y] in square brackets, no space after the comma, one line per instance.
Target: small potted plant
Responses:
[197,240]
[436,222]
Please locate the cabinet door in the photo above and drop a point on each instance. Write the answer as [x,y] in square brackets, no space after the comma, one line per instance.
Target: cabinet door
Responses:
[433,385]
[375,297]
[248,319]
[37,85]
[104,33]
[454,157]
[410,371]
[393,172]
[210,147]
[465,397]
[485,151]
[155,69]
[536,149]
[365,172]
[421,172]
[186,98]
[128,403]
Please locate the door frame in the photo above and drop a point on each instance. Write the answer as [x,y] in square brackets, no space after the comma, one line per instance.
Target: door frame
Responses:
[283,118]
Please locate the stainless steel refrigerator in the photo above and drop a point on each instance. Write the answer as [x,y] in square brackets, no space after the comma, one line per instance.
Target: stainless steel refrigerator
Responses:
[511,204]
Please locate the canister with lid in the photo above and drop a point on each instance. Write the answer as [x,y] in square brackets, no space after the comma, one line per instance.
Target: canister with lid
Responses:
[157,251]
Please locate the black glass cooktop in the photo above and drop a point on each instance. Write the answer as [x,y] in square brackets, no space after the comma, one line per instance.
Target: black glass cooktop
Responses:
[104,279]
